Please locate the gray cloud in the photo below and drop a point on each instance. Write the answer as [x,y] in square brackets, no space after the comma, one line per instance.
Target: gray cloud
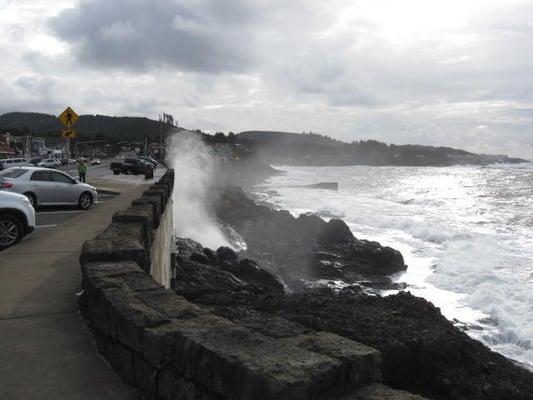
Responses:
[203,36]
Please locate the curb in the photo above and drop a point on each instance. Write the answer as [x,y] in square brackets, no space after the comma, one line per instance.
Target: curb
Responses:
[105,190]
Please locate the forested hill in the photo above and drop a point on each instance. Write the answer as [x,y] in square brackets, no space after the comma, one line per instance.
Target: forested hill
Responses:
[122,128]
[274,147]
[311,149]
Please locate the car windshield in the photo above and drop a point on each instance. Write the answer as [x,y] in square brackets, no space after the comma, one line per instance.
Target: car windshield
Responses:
[13,173]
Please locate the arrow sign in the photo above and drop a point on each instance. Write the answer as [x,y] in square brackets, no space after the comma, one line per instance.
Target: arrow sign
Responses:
[68,133]
[68,117]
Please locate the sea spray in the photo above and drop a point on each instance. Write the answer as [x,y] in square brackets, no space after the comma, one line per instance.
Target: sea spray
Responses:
[194,166]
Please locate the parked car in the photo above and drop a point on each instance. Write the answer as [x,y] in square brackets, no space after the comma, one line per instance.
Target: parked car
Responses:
[130,166]
[49,163]
[13,162]
[65,161]
[44,186]
[17,218]
[95,161]
[150,161]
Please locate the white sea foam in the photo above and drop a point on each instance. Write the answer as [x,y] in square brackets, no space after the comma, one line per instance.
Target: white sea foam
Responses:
[194,168]
[465,232]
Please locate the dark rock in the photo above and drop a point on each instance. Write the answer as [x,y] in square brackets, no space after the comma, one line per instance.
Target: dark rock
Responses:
[200,257]
[305,247]
[311,224]
[211,255]
[335,232]
[226,254]
[226,281]
[422,351]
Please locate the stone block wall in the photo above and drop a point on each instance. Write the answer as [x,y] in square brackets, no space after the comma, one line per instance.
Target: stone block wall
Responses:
[170,348]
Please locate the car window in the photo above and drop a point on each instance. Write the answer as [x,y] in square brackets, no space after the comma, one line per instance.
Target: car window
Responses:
[40,176]
[62,178]
[9,162]
[13,173]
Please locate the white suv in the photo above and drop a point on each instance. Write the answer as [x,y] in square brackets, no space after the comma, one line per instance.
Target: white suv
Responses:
[49,163]
[17,218]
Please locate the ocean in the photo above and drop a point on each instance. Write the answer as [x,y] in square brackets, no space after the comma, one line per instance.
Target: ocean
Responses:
[466,233]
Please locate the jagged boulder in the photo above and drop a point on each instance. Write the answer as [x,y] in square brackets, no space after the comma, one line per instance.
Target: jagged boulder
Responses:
[220,277]
[306,247]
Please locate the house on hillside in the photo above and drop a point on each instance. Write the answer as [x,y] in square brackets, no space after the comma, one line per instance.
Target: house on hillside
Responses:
[6,150]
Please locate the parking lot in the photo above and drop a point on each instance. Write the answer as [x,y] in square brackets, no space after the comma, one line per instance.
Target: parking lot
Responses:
[49,218]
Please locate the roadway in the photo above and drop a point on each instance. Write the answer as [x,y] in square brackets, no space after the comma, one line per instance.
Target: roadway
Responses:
[47,352]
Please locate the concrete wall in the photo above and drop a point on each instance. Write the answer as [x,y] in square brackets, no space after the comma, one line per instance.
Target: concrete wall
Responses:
[170,348]
[163,247]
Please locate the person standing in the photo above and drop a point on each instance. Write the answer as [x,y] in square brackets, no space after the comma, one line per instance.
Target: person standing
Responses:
[82,170]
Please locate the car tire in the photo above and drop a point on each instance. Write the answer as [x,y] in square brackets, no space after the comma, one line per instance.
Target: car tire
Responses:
[32,198]
[116,172]
[85,201]
[11,230]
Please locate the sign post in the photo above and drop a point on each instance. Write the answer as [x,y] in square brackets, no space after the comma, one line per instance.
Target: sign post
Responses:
[68,118]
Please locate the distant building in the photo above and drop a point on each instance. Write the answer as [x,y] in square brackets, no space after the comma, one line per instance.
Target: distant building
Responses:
[38,146]
[5,146]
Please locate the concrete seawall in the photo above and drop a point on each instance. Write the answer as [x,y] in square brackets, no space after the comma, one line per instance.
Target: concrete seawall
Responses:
[170,348]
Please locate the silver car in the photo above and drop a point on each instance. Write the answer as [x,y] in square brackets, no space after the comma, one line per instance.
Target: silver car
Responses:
[44,186]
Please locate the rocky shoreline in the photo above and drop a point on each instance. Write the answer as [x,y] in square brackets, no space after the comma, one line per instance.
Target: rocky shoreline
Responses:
[267,288]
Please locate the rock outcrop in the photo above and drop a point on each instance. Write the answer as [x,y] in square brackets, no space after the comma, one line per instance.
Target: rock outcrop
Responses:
[306,247]
[422,351]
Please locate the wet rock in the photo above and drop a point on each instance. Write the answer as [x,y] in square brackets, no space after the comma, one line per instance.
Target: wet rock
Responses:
[422,351]
[221,279]
[200,257]
[226,254]
[335,232]
[305,247]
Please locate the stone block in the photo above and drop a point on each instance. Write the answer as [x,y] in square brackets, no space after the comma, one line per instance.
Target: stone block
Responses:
[121,359]
[141,282]
[161,194]
[238,363]
[145,378]
[361,363]
[129,317]
[173,387]
[154,202]
[163,185]
[120,242]
[381,392]
[142,214]
[170,304]
[158,345]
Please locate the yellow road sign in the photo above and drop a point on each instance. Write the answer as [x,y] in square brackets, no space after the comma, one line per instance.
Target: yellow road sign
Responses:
[68,117]
[68,133]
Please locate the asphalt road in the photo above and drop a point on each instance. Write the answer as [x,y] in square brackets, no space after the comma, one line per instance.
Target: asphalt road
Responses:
[92,170]
[47,352]
[48,218]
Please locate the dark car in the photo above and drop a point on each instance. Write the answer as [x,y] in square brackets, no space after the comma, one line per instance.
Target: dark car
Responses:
[130,166]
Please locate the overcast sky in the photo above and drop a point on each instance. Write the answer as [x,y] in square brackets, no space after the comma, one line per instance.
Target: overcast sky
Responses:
[450,72]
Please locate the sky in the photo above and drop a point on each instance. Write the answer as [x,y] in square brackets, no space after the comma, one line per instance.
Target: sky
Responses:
[453,72]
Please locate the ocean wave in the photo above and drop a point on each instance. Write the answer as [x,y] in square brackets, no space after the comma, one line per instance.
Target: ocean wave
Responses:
[471,222]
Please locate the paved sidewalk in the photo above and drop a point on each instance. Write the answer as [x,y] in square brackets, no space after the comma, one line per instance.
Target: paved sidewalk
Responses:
[46,351]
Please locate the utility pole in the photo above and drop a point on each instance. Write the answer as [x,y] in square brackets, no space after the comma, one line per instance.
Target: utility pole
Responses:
[161,139]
